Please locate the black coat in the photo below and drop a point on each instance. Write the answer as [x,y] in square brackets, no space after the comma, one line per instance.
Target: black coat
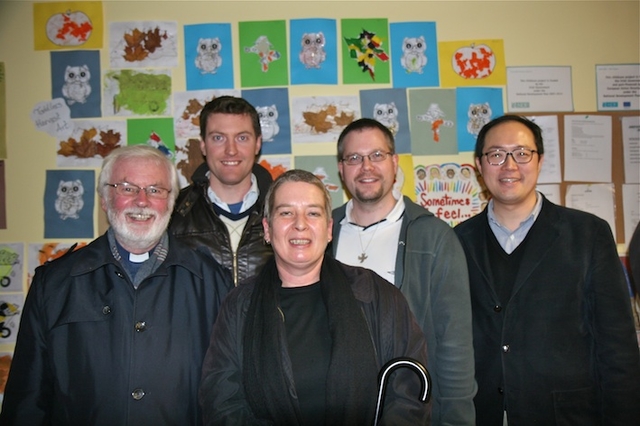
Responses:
[91,350]
[195,222]
[564,351]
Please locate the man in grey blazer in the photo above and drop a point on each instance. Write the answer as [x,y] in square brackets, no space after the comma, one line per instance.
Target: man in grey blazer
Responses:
[554,339]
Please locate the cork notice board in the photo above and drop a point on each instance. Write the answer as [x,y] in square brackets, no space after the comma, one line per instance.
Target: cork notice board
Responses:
[617,159]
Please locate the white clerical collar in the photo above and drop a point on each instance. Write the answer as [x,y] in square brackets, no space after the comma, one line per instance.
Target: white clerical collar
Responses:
[249,199]
[138,258]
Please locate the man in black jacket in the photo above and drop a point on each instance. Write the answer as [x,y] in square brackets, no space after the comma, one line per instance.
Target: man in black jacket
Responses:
[222,209]
[115,333]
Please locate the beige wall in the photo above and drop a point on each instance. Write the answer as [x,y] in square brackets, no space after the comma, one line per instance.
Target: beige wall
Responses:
[579,34]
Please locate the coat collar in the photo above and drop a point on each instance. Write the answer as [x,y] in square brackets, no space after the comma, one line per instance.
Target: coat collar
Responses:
[98,254]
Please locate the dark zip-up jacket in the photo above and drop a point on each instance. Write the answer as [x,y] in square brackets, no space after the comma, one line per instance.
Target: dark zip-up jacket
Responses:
[195,222]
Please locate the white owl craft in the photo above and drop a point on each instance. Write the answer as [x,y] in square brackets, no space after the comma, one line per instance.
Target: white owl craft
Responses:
[208,60]
[76,87]
[387,114]
[268,122]
[312,53]
[479,115]
[69,201]
[413,57]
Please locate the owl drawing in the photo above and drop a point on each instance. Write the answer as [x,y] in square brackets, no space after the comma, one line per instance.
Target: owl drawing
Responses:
[268,122]
[479,115]
[413,58]
[69,201]
[312,53]
[76,87]
[208,60]
[387,114]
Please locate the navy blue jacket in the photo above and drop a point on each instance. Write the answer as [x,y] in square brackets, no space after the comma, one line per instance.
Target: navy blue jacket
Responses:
[92,350]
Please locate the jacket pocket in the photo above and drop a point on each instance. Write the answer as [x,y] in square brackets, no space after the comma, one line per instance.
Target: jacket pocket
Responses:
[576,407]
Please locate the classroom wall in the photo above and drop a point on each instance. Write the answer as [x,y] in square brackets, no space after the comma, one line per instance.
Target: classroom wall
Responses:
[579,34]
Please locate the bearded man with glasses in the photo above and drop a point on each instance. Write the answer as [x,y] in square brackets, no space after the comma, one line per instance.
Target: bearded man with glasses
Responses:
[413,250]
[553,333]
[115,333]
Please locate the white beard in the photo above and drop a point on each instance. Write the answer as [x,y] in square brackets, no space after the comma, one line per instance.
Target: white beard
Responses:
[134,239]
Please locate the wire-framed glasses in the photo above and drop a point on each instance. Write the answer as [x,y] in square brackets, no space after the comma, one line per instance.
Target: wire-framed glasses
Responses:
[374,157]
[497,157]
[127,189]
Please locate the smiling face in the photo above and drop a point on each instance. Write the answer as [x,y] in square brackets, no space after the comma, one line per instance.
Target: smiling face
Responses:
[299,231]
[510,184]
[369,183]
[138,221]
[230,146]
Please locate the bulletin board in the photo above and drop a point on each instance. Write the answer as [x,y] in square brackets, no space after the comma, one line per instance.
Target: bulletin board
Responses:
[617,159]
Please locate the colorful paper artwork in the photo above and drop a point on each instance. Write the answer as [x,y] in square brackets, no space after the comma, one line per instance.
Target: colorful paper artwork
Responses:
[62,25]
[208,56]
[325,168]
[90,142]
[75,77]
[475,107]
[414,54]
[68,204]
[12,264]
[432,120]
[314,53]
[275,164]
[450,191]
[365,51]
[272,106]
[155,132]
[141,44]
[472,63]
[188,156]
[389,107]
[187,107]
[11,306]
[322,118]
[263,54]
[137,92]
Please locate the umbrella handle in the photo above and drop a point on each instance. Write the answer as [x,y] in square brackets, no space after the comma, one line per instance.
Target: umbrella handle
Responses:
[393,365]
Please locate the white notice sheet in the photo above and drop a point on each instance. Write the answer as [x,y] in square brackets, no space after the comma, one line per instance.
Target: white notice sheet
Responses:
[631,148]
[587,148]
[597,199]
[550,172]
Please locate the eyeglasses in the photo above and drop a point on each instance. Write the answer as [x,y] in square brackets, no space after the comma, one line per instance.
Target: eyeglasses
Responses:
[127,189]
[374,157]
[497,157]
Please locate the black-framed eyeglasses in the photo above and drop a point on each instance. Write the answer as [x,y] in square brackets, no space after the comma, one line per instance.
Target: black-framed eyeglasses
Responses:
[127,189]
[374,157]
[497,157]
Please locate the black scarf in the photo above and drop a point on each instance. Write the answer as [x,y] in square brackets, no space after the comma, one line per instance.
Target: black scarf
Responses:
[353,369]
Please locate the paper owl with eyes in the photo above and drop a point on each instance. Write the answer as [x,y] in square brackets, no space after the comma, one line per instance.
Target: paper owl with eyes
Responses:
[76,87]
[413,57]
[69,201]
[208,60]
[387,114]
[312,53]
[479,115]
[268,122]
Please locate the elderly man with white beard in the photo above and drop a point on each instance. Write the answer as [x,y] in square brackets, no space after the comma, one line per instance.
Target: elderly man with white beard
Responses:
[115,333]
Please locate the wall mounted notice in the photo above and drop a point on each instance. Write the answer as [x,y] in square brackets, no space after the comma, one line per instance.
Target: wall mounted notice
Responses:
[618,87]
[539,89]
